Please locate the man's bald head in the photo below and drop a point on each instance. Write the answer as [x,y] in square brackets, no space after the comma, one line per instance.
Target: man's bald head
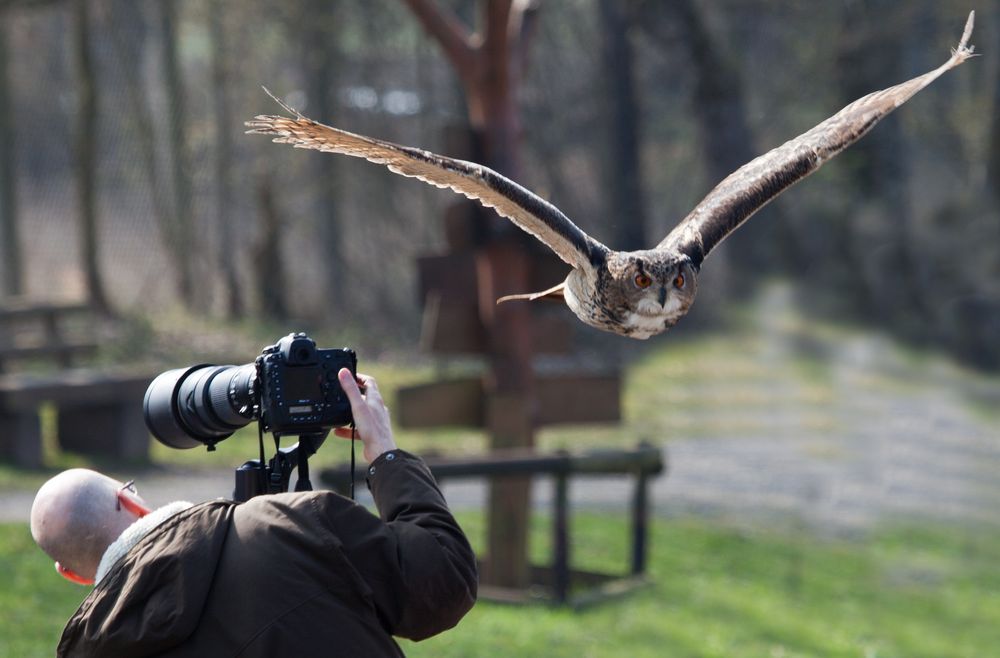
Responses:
[76,516]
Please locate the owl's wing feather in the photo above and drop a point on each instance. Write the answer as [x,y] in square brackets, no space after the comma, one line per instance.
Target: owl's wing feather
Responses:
[753,185]
[527,210]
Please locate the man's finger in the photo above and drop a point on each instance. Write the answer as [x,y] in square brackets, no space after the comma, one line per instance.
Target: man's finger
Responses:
[373,395]
[350,387]
[367,384]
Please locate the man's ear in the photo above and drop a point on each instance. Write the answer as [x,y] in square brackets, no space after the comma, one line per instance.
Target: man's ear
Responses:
[73,576]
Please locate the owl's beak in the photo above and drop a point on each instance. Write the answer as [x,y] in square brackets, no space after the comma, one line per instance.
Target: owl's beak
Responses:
[663,295]
[555,292]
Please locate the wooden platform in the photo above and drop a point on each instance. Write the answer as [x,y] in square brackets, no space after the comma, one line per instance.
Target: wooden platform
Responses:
[557,583]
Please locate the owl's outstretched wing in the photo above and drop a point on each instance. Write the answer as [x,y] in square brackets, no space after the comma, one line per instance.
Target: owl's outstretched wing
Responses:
[753,185]
[529,211]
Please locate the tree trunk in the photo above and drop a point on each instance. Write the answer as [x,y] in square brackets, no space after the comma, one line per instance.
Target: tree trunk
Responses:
[10,241]
[269,268]
[868,60]
[720,112]
[319,56]
[993,165]
[129,42]
[227,248]
[86,157]
[624,168]
[489,69]
[185,247]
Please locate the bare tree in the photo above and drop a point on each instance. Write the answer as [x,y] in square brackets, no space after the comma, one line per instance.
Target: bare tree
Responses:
[623,168]
[317,24]
[868,57]
[993,165]
[719,109]
[129,42]
[269,270]
[86,155]
[184,245]
[10,241]
[224,161]
[489,68]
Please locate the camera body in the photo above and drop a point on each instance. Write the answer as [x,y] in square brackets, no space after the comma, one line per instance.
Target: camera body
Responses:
[299,391]
[291,388]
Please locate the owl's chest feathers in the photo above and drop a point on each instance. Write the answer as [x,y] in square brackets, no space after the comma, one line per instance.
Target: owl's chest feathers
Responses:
[648,307]
[643,326]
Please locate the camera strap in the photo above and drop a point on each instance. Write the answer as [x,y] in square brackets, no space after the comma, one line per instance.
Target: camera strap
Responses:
[354,435]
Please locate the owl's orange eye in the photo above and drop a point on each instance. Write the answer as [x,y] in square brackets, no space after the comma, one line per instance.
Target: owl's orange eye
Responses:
[679,281]
[643,280]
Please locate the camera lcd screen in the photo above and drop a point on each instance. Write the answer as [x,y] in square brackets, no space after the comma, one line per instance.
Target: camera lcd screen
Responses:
[303,383]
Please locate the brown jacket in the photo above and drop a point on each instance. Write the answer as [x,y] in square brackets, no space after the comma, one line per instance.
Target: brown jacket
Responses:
[297,574]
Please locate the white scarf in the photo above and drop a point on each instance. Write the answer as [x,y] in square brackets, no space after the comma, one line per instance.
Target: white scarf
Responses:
[133,534]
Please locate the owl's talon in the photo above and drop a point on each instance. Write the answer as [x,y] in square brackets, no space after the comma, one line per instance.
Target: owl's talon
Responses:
[555,293]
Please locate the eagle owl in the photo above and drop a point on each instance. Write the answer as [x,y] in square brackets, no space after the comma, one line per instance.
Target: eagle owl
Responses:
[635,293]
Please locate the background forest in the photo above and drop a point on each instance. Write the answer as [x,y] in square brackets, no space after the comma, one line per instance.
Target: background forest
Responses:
[831,479]
[125,176]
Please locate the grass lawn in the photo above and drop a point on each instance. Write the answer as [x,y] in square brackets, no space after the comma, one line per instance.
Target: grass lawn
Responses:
[717,592]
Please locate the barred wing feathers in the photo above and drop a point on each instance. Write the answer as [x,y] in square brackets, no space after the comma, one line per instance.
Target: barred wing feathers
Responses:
[527,210]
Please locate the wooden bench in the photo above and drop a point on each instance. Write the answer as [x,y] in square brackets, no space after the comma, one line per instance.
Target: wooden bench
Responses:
[98,410]
[557,582]
[47,332]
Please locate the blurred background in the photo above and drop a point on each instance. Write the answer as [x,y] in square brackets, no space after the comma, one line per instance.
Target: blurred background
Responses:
[836,381]
[629,113]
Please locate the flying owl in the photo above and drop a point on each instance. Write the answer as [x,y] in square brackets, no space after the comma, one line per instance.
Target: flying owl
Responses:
[633,293]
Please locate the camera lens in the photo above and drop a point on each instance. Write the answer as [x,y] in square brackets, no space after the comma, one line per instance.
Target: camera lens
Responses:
[200,405]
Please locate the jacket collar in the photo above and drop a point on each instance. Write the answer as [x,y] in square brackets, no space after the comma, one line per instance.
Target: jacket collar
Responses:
[151,599]
[133,534]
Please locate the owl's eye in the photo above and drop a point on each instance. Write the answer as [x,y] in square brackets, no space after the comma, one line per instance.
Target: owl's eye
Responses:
[643,280]
[679,281]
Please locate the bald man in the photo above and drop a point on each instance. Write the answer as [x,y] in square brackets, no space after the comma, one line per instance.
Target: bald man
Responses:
[297,574]
[78,515]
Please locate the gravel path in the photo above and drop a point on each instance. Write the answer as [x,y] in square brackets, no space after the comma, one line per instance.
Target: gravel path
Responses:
[871,437]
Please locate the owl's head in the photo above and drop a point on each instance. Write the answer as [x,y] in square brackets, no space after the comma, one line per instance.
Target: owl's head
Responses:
[640,293]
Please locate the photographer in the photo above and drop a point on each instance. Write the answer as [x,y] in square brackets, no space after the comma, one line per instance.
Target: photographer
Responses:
[293,574]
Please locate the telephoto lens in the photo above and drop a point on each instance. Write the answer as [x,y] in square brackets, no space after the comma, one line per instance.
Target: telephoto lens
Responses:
[200,405]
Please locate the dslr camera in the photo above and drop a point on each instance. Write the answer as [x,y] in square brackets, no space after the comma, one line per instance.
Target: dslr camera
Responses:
[291,388]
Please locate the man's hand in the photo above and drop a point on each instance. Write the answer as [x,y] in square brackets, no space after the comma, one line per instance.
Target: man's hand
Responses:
[371,417]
